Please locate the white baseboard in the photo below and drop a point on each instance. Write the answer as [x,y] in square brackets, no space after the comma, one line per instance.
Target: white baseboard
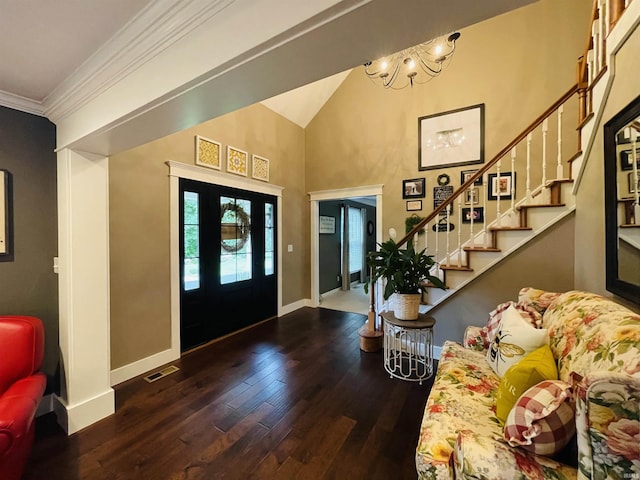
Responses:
[139,367]
[73,418]
[292,307]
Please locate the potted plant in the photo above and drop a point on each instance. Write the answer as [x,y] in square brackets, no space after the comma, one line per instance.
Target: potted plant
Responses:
[405,272]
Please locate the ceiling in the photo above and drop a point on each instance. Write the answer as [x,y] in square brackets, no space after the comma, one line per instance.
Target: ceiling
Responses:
[50,40]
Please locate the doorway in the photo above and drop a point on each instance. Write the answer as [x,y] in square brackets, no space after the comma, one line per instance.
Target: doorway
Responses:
[228,260]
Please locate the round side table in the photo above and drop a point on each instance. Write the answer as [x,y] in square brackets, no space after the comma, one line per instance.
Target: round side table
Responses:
[408,347]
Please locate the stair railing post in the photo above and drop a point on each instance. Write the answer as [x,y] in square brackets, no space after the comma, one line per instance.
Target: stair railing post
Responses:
[545,128]
[472,241]
[528,187]
[559,169]
[460,231]
[513,183]
[485,232]
[448,249]
[498,215]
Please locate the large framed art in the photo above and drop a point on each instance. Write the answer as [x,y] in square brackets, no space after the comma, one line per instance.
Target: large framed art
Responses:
[452,138]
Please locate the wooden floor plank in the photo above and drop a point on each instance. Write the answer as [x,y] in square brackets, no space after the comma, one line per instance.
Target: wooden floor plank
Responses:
[291,398]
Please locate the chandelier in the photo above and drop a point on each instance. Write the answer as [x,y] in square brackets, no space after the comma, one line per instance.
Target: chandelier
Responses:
[417,64]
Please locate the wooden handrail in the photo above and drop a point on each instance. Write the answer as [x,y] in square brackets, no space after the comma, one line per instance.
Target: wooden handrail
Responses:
[490,164]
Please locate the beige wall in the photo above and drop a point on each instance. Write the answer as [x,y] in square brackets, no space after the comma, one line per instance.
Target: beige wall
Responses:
[517,64]
[590,223]
[139,222]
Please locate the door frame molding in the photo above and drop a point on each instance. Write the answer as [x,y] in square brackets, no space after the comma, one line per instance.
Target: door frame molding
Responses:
[338,194]
[179,170]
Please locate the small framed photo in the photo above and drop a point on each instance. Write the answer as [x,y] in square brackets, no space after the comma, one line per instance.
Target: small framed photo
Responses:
[414,205]
[208,153]
[634,188]
[466,174]
[237,161]
[503,187]
[625,159]
[413,188]
[477,214]
[260,168]
[471,196]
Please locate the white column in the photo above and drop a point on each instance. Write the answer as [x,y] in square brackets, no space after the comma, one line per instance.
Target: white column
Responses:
[83,265]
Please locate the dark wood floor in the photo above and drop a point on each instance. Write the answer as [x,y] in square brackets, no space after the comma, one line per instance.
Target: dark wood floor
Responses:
[292,398]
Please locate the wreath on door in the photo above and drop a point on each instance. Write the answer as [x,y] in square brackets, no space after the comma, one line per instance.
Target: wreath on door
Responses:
[241,227]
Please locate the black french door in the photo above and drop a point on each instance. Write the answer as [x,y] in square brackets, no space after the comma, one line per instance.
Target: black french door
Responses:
[227,260]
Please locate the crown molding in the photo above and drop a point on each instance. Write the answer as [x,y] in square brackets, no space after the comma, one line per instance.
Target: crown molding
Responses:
[154,29]
[23,104]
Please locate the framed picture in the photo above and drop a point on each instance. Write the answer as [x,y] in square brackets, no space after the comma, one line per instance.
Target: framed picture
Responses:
[625,159]
[478,215]
[451,138]
[237,161]
[208,153]
[5,215]
[504,187]
[466,174]
[260,168]
[440,194]
[471,196]
[634,188]
[413,188]
[327,224]
[414,205]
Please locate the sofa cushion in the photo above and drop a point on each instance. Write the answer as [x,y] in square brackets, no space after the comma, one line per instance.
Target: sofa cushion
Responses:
[542,420]
[514,339]
[535,299]
[588,333]
[537,366]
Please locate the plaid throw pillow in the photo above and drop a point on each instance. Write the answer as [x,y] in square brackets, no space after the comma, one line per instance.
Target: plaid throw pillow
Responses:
[495,317]
[542,420]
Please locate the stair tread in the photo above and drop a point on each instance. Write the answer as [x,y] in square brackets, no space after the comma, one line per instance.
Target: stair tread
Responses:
[501,229]
[481,249]
[544,205]
[462,268]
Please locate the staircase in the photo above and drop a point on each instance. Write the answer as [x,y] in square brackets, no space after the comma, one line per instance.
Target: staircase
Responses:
[543,155]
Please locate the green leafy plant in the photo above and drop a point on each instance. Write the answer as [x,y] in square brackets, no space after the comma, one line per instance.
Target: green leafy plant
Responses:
[404,270]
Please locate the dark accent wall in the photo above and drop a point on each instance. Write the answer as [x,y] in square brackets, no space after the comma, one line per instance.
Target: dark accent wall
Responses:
[330,245]
[28,285]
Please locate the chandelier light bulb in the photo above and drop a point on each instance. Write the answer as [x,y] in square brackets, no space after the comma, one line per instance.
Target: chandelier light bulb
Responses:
[417,64]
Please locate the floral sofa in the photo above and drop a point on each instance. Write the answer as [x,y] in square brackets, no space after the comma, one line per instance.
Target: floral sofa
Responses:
[596,344]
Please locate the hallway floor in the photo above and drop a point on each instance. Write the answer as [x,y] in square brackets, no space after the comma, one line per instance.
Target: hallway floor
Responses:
[354,300]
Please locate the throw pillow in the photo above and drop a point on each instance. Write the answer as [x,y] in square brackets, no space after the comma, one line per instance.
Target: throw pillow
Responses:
[495,317]
[513,340]
[537,366]
[536,299]
[542,420]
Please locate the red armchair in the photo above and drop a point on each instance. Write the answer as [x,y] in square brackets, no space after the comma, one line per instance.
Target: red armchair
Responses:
[21,388]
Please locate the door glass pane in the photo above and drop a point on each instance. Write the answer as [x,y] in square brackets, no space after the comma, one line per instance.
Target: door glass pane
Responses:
[191,232]
[355,240]
[235,234]
[269,239]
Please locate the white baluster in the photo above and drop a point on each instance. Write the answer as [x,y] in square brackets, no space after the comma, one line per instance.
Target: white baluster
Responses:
[460,231]
[634,161]
[425,229]
[498,215]
[604,27]
[472,241]
[487,243]
[528,193]
[596,47]
[545,128]
[591,66]
[448,250]
[559,169]
[513,183]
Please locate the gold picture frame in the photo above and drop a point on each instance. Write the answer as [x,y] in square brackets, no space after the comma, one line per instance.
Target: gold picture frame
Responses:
[260,168]
[208,153]
[237,161]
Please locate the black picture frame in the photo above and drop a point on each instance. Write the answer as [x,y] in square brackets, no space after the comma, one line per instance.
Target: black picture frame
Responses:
[478,215]
[452,138]
[413,188]
[625,159]
[465,174]
[504,191]
[6,217]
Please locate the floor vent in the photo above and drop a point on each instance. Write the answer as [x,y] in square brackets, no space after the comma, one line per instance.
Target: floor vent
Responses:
[162,373]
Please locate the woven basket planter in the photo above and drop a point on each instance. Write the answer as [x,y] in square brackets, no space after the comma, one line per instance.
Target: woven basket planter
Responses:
[407,306]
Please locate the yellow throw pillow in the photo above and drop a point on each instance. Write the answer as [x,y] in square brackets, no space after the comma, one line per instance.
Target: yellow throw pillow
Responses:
[537,366]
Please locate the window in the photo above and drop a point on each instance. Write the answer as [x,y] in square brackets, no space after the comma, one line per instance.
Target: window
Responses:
[191,258]
[355,240]
[235,235]
[269,239]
